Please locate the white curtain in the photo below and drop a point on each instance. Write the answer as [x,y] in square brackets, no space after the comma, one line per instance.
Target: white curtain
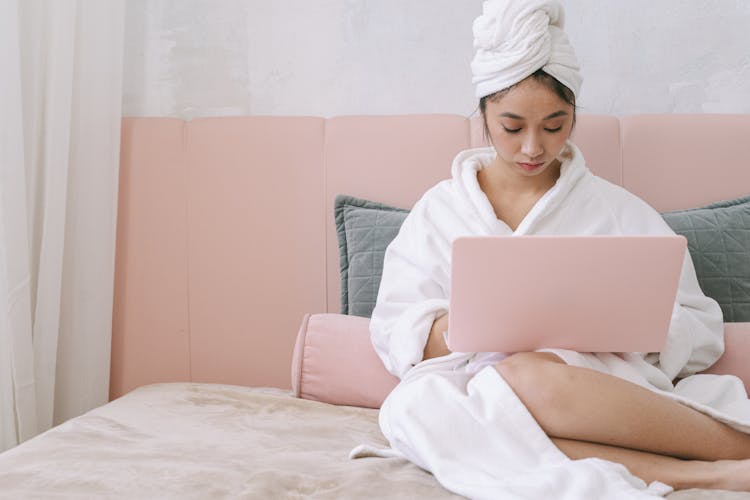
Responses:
[60,110]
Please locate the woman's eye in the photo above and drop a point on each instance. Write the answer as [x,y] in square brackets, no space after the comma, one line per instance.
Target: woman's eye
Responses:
[554,129]
[512,130]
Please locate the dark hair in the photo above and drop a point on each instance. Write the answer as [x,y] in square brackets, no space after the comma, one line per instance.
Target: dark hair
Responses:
[540,76]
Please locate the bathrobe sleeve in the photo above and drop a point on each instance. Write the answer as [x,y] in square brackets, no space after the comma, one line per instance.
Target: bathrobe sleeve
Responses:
[696,332]
[413,291]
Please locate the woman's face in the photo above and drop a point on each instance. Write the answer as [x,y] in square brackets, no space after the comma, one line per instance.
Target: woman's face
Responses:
[528,127]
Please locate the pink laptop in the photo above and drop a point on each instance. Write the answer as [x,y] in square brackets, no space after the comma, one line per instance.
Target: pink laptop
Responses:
[585,293]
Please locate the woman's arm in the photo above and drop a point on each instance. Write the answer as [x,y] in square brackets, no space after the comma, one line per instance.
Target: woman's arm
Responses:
[696,330]
[413,291]
[436,345]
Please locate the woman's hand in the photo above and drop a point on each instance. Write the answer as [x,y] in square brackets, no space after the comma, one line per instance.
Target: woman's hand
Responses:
[436,345]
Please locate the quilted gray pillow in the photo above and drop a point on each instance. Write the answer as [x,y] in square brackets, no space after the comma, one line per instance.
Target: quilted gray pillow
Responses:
[365,228]
[719,242]
[718,239]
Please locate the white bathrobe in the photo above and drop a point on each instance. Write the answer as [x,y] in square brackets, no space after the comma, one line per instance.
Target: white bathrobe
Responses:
[455,416]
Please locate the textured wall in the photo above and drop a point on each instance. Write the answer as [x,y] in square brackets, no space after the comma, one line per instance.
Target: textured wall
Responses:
[187,58]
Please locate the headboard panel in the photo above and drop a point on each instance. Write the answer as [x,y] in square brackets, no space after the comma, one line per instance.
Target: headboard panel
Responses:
[255,243]
[150,326]
[683,161]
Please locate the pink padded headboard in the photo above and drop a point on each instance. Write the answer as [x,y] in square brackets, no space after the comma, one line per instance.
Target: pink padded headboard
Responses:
[220,248]
[685,161]
[225,228]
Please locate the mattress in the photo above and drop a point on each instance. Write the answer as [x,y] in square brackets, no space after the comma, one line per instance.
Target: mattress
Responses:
[186,440]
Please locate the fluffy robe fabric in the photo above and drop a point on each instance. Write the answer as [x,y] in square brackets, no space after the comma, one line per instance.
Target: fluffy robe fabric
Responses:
[514,38]
[455,416]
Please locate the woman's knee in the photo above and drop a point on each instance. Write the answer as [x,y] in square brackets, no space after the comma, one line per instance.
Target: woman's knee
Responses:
[537,378]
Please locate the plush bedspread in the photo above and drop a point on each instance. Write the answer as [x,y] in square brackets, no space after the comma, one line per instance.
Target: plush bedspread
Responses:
[218,441]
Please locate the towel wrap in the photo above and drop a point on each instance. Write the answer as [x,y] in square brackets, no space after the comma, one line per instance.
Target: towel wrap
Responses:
[515,38]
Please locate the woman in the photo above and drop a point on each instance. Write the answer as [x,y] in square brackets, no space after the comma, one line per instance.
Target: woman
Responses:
[553,423]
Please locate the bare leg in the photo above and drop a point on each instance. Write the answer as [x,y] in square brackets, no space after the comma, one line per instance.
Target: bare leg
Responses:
[581,404]
[680,474]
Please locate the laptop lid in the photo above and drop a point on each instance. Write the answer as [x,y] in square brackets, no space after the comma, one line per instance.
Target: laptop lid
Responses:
[584,293]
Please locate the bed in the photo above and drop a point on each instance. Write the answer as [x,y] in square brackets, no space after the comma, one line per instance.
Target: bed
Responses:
[187,440]
[203,405]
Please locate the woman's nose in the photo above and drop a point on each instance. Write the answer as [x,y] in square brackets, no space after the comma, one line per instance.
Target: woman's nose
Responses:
[532,146]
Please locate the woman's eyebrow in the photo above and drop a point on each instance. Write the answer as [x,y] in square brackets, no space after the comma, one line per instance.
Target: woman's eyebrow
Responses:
[548,117]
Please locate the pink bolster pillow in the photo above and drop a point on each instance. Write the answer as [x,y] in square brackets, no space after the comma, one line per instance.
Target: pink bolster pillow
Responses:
[736,358]
[334,361]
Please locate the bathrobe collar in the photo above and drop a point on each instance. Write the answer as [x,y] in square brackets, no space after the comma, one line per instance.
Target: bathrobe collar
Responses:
[464,172]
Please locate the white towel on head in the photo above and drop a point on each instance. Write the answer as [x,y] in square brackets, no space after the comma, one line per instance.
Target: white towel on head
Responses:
[514,38]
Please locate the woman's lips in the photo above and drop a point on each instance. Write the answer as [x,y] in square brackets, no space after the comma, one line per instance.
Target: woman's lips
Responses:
[530,166]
